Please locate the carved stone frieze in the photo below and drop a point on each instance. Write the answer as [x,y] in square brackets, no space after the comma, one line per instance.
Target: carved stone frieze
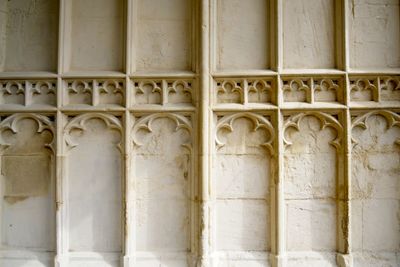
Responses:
[389,88]
[312,89]
[364,89]
[244,90]
[374,88]
[96,92]
[28,92]
[164,91]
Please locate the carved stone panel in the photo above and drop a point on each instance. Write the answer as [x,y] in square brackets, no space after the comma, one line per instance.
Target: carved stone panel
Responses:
[167,92]
[244,91]
[313,89]
[27,182]
[390,88]
[382,89]
[148,92]
[296,90]
[12,92]
[364,89]
[328,89]
[310,160]
[94,181]
[375,189]
[163,178]
[43,93]
[28,93]
[98,93]
[79,92]
[241,179]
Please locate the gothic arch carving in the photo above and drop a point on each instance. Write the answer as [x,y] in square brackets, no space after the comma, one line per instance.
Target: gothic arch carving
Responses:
[259,87]
[79,123]
[326,120]
[296,86]
[173,87]
[145,123]
[7,87]
[328,85]
[392,119]
[259,122]
[361,85]
[45,87]
[11,123]
[230,87]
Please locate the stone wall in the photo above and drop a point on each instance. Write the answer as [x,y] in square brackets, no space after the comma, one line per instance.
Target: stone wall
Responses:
[213,133]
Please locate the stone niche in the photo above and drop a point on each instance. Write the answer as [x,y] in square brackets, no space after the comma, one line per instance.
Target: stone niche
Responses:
[241,180]
[28,35]
[163,182]
[94,183]
[27,209]
[376,189]
[310,174]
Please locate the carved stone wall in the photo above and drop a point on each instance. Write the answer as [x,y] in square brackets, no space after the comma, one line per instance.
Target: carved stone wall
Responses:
[212,133]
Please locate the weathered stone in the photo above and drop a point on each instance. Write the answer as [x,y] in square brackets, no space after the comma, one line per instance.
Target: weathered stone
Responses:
[210,133]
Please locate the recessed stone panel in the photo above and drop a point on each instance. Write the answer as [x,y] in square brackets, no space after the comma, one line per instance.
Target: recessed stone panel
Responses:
[242,225]
[310,173]
[163,31]
[28,184]
[96,40]
[28,35]
[162,170]
[94,184]
[375,189]
[374,34]
[241,175]
[309,34]
[242,34]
